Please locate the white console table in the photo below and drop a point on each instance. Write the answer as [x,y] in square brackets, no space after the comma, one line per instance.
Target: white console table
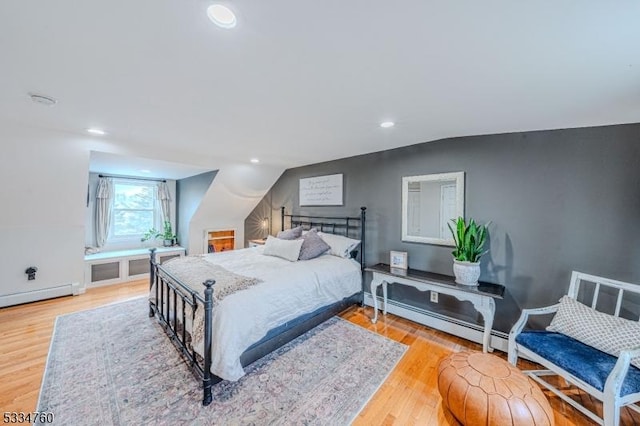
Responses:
[482,296]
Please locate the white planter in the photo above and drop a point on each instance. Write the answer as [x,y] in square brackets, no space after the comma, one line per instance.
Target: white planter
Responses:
[467,273]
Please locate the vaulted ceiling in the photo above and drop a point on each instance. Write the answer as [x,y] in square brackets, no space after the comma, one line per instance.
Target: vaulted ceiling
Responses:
[298,82]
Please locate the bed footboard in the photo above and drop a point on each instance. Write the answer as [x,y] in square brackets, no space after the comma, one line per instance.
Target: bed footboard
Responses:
[170,304]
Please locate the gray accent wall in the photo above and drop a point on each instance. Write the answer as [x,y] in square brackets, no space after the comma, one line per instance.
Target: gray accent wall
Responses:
[189,193]
[557,200]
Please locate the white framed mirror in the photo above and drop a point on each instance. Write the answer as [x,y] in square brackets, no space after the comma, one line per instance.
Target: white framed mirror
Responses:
[429,202]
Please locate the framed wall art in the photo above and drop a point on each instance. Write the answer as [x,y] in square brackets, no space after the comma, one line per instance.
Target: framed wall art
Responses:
[321,191]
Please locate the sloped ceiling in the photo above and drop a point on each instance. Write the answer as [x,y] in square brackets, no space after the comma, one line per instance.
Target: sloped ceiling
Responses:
[298,82]
[120,165]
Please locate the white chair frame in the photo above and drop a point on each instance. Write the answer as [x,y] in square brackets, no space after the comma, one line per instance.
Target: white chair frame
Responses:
[610,397]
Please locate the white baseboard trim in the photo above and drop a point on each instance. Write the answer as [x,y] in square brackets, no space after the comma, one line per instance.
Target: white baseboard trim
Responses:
[33,296]
[466,330]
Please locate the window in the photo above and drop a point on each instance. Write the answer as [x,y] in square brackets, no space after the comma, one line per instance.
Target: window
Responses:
[134,209]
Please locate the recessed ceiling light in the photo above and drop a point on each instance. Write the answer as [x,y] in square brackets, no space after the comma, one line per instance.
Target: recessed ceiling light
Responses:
[42,99]
[254,160]
[222,16]
[95,131]
[387,124]
[145,171]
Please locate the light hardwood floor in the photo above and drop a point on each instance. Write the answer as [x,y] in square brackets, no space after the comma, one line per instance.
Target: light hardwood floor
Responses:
[408,396]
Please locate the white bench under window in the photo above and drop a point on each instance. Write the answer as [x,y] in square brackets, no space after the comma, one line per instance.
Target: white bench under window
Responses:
[112,267]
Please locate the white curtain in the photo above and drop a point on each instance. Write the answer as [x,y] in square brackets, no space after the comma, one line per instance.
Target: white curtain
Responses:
[164,198]
[104,207]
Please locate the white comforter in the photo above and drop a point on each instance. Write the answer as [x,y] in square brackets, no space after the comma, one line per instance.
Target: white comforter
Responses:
[288,290]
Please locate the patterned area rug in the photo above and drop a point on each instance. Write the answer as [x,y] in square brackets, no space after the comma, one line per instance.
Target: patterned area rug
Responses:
[115,366]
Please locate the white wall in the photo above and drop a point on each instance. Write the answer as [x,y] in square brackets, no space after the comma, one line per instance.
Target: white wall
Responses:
[44,177]
[236,190]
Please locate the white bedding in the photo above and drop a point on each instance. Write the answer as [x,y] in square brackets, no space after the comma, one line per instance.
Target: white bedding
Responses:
[288,290]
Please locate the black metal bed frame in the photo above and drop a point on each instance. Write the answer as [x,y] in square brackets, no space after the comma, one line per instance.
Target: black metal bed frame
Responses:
[170,289]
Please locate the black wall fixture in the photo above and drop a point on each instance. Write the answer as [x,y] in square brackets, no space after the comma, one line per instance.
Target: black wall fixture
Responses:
[31,272]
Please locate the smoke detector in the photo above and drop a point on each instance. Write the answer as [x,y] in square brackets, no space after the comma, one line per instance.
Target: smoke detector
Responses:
[42,99]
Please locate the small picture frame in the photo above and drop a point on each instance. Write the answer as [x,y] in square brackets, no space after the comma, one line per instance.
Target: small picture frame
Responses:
[398,259]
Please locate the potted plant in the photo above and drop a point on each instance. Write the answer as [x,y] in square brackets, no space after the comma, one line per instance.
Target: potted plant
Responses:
[469,238]
[168,235]
[151,234]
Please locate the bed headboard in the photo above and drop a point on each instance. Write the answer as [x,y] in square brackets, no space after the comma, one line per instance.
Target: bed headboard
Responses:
[352,227]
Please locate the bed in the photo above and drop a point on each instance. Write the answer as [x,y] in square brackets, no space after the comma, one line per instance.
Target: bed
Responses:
[219,338]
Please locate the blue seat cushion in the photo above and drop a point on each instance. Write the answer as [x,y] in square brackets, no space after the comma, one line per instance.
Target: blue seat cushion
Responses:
[585,362]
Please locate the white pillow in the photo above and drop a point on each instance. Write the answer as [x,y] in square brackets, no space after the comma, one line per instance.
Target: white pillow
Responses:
[340,246]
[286,249]
[602,331]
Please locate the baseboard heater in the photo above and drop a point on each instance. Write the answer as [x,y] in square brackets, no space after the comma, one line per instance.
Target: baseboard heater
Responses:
[35,295]
[460,328]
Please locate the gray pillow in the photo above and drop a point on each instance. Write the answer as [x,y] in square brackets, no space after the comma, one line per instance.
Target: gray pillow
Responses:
[290,234]
[312,246]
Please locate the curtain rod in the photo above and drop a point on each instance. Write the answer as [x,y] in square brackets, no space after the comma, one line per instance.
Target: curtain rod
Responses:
[133,178]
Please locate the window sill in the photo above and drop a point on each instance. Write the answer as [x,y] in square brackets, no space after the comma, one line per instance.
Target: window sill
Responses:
[120,254]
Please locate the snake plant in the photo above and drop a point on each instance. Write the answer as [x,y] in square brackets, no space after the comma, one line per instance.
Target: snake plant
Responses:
[469,238]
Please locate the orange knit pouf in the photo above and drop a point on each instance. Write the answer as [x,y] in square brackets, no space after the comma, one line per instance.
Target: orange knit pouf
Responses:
[483,389]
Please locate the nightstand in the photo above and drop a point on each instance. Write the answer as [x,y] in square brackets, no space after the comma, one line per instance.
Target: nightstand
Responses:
[256,243]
